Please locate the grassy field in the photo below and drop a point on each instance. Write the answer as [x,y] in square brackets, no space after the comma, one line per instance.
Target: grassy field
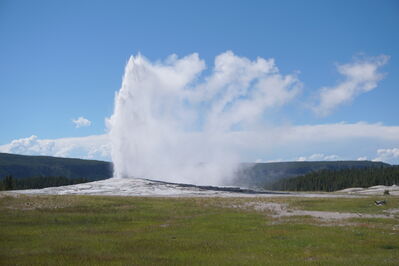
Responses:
[94,230]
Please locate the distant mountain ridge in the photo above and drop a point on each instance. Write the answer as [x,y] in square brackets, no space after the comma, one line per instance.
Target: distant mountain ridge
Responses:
[26,166]
[333,180]
[248,174]
[264,174]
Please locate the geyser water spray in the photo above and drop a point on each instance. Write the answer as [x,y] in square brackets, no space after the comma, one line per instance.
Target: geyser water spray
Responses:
[172,124]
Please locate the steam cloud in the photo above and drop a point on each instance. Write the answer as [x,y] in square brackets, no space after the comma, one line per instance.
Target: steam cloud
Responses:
[171,123]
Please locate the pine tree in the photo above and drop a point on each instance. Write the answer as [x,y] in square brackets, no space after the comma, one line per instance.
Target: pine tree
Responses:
[8,183]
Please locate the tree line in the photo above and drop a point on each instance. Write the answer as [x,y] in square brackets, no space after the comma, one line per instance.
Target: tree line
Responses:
[333,180]
[10,183]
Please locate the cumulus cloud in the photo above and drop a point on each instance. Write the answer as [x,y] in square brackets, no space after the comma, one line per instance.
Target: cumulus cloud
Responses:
[388,155]
[291,142]
[81,122]
[90,147]
[359,77]
[318,157]
[285,143]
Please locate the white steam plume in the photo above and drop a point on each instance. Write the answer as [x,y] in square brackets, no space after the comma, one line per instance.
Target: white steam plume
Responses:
[170,123]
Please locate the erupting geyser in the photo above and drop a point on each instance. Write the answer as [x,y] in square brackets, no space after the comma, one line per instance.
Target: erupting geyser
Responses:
[170,124]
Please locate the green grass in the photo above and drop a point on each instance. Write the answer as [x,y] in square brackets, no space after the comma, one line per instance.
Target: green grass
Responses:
[91,230]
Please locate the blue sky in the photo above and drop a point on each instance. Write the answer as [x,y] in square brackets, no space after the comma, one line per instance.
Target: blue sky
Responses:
[61,60]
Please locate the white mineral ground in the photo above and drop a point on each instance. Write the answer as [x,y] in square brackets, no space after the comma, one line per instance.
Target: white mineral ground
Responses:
[279,210]
[375,190]
[143,187]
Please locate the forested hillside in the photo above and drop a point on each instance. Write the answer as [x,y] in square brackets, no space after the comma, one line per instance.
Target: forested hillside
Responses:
[264,174]
[10,183]
[44,171]
[24,166]
[332,180]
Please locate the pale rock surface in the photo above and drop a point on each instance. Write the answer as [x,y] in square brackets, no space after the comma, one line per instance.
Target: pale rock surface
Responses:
[375,190]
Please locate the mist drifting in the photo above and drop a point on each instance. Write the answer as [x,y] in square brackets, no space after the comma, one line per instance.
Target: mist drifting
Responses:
[172,123]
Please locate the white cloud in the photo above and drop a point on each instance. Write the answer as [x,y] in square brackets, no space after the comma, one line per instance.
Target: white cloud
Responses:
[360,77]
[284,143]
[333,141]
[388,155]
[81,122]
[90,147]
[318,157]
